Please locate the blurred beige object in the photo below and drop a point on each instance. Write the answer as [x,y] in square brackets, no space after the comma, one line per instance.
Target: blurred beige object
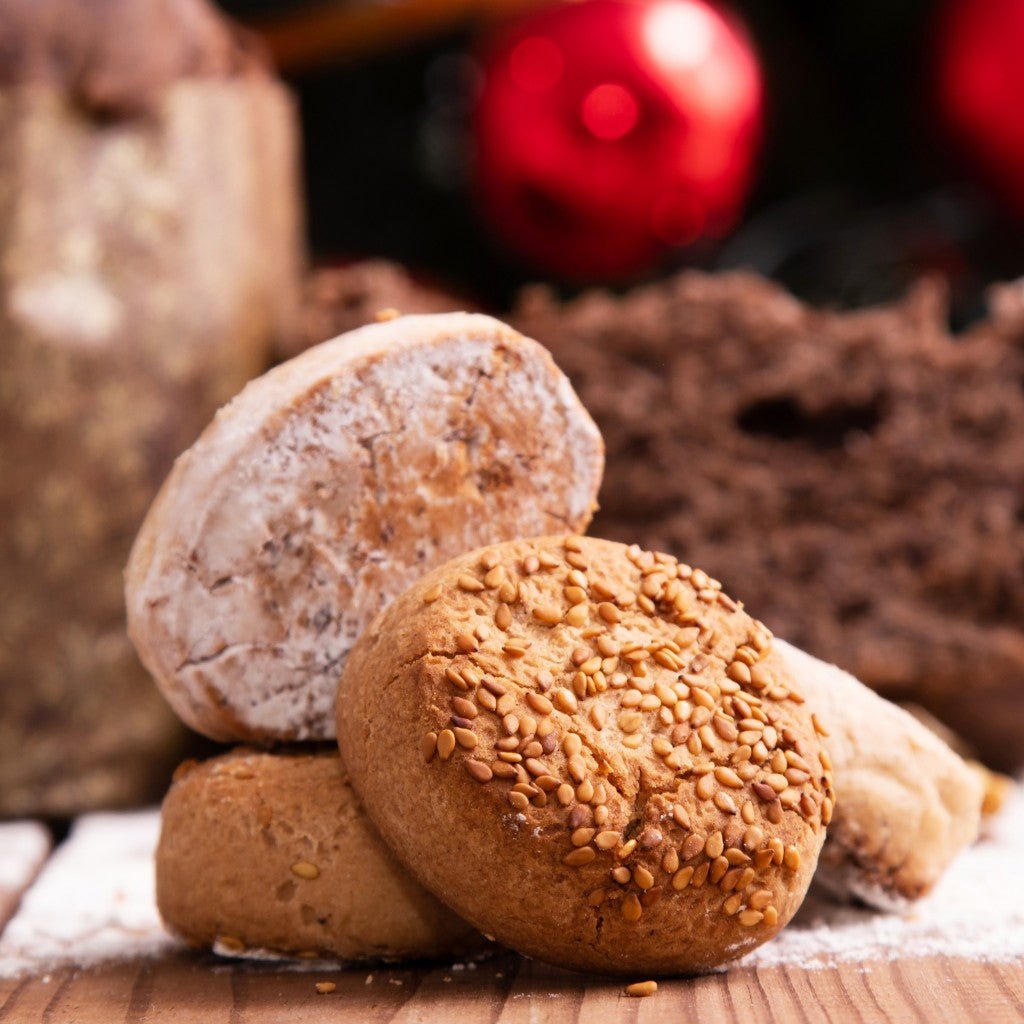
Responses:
[149,258]
[906,804]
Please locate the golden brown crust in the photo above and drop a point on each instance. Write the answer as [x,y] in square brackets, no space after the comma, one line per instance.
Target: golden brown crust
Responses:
[270,854]
[591,753]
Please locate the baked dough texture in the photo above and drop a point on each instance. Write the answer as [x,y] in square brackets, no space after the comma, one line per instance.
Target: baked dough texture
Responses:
[269,854]
[906,804]
[591,753]
[327,487]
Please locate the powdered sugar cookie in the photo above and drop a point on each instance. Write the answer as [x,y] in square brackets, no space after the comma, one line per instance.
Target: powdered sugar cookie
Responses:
[326,488]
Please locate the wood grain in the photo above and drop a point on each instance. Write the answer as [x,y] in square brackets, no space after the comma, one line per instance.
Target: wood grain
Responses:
[196,989]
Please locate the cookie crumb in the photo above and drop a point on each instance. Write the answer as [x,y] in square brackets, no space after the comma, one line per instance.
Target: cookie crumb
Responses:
[642,988]
[325,987]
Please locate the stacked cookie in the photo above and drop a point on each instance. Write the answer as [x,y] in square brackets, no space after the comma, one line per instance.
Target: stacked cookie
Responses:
[586,750]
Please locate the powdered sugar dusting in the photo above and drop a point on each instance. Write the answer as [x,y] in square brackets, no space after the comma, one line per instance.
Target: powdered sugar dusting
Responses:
[93,901]
[23,847]
[976,912]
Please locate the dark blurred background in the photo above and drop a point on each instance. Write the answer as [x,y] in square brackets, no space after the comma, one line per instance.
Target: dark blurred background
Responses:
[862,183]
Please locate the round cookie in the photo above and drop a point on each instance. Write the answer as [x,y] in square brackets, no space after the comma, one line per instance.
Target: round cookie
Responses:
[269,854]
[328,486]
[591,753]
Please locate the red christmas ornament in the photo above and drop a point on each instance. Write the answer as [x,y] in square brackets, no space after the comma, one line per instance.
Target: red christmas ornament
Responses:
[609,131]
[980,84]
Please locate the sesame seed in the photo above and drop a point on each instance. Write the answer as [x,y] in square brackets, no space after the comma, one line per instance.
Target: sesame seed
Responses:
[621,875]
[303,869]
[577,615]
[445,744]
[639,989]
[650,838]
[470,583]
[692,846]
[466,642]
[727,777]
[681,879]
[530,565]
[642,877]
[631,909]
[478,770]
[771,916]
[719,868]
[585,791]
[547,614]
[609,612]
[750,917]
[565,700]
[431,595]
[580,857]
[466,738]
[582,836]
[763,791]
[778,850]
[725,803]
[495,577]
[325,987]
[670,862]
[464,708]
[826,811]
[565,794]
[736,857]
[572,744]
[518,800]
[539,703]
[503,617]
[714,845]
[700,874]
[576,560]
[705,787]
[607,840]
[597,897]
[732,904]
[818,727]
[791,858]
[679,815]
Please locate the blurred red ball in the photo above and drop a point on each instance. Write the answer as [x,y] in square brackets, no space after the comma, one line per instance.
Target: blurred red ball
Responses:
[980,83]
[609,131]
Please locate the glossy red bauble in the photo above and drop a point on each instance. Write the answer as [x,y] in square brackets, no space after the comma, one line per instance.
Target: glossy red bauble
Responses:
[610,131]
[980,87]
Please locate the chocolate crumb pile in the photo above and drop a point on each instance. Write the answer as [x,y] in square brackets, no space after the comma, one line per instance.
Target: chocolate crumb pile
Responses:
[856,477]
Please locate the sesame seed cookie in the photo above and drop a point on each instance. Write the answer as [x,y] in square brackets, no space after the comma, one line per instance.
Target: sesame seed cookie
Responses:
[906,803]
[327,487]
[270,855]
[591,753]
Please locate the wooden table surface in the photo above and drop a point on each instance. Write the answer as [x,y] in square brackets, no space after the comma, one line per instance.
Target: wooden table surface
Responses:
[93,897]
[196,989]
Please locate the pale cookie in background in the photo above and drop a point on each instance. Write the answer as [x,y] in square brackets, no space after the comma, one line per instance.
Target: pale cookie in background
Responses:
[590,752]
[906,803]
[326,488]
[269,855]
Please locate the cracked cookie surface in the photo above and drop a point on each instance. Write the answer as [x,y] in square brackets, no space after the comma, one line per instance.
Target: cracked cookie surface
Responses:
[327,487]
[591,753]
